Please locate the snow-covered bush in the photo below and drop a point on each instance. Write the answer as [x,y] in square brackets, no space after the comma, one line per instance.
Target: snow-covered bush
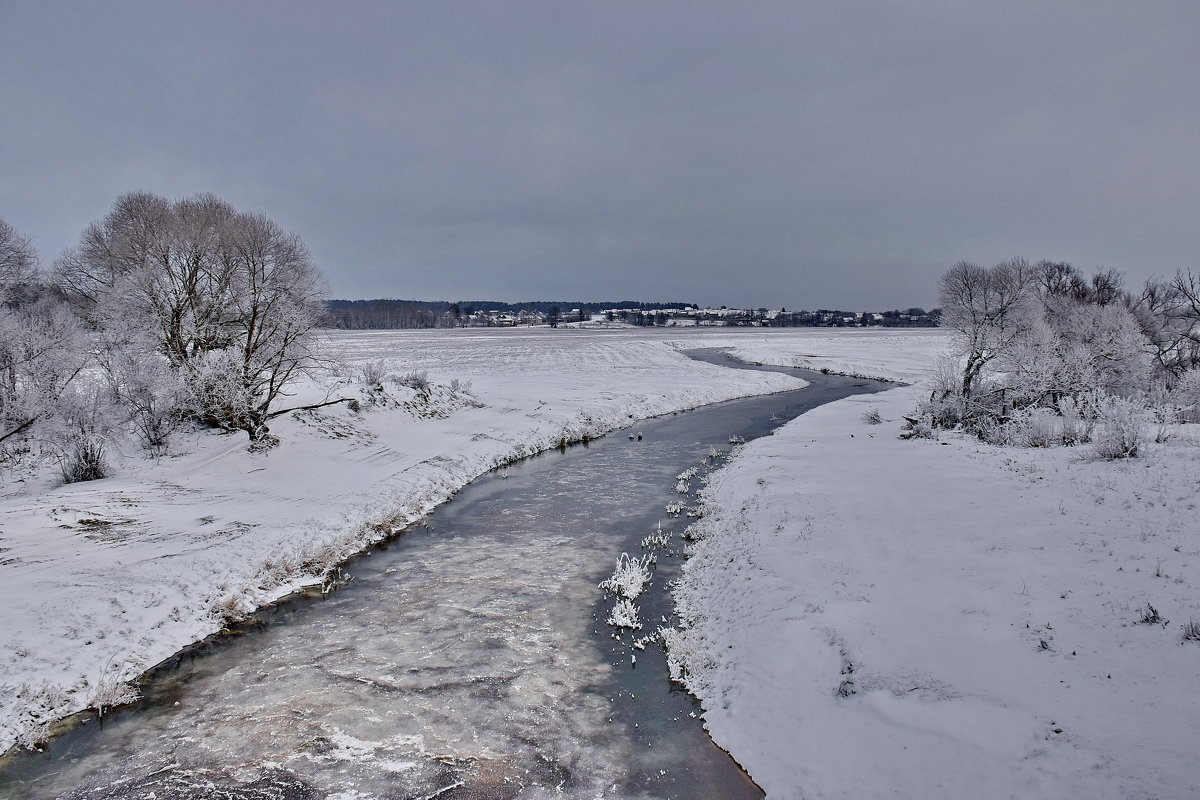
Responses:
[371,374]
[1186,395]
[1120,429]
[82,458]
[1079,416]
[872,417]
[81,432]
[678,651]
[31,708]
[215,392]
[417,379]
[1035,427]
[151,393]
[42,353]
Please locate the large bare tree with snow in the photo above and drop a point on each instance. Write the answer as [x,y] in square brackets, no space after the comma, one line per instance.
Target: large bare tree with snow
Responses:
[228,300]
[991,307]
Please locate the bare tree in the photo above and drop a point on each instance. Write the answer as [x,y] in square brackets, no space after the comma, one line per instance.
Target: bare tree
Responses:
[159,262]
[1169,315]
[274,306]
[991,308]
[231,299]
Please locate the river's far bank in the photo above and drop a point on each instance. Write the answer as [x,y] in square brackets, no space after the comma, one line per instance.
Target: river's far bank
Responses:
[872,617]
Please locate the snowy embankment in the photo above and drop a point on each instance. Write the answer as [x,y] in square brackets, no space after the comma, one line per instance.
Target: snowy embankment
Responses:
[102,580]
[872,617]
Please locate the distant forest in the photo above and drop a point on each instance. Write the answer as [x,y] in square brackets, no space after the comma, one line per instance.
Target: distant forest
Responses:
[388,314]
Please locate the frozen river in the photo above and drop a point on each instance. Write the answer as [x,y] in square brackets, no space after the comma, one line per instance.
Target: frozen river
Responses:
[468,658]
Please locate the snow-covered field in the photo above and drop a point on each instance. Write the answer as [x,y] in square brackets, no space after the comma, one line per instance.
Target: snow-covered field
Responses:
[872,617]
[869,617]
[101,580]
[891,354]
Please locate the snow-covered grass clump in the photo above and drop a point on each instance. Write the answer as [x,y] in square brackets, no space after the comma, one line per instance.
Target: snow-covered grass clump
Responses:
[629,578]
[624,614]
[659,538]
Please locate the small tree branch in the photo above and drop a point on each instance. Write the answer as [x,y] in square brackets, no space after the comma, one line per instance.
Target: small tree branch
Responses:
[19,428]
[283,411]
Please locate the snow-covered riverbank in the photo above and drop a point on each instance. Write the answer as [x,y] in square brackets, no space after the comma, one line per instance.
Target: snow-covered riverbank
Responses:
[101,580]
[872,617]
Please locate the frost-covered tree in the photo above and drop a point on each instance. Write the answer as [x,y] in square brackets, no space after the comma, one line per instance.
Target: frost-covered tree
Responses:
[18,261]
[275,305]
[1044,348]
[230,301]
[991,308]
[1169,315]
[41,348]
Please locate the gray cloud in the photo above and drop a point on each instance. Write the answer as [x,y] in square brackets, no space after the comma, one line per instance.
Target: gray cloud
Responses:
[746,153]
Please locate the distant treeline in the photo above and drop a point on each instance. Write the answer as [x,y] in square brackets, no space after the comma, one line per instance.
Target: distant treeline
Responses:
[389,314]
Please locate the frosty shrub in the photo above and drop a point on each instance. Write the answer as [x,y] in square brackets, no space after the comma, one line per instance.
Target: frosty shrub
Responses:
[872,417]
[629,578]
[82,458]
[372,374]
[215,393]
[1151,617]
[149,391]
[918,427]
[1186,395]
[992,431]
[110,692]
[1191,631]
[1035,427]
[1078,418]
[461,387]
[1120,429]
[42,353]
[418,379]
[30,708]
[81,431]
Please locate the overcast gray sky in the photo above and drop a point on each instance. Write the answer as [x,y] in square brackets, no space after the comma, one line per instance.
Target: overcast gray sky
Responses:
[834,154]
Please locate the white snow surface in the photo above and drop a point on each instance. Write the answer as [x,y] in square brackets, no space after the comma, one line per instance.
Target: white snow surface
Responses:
[101,580]
[977,607]
[893,354]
